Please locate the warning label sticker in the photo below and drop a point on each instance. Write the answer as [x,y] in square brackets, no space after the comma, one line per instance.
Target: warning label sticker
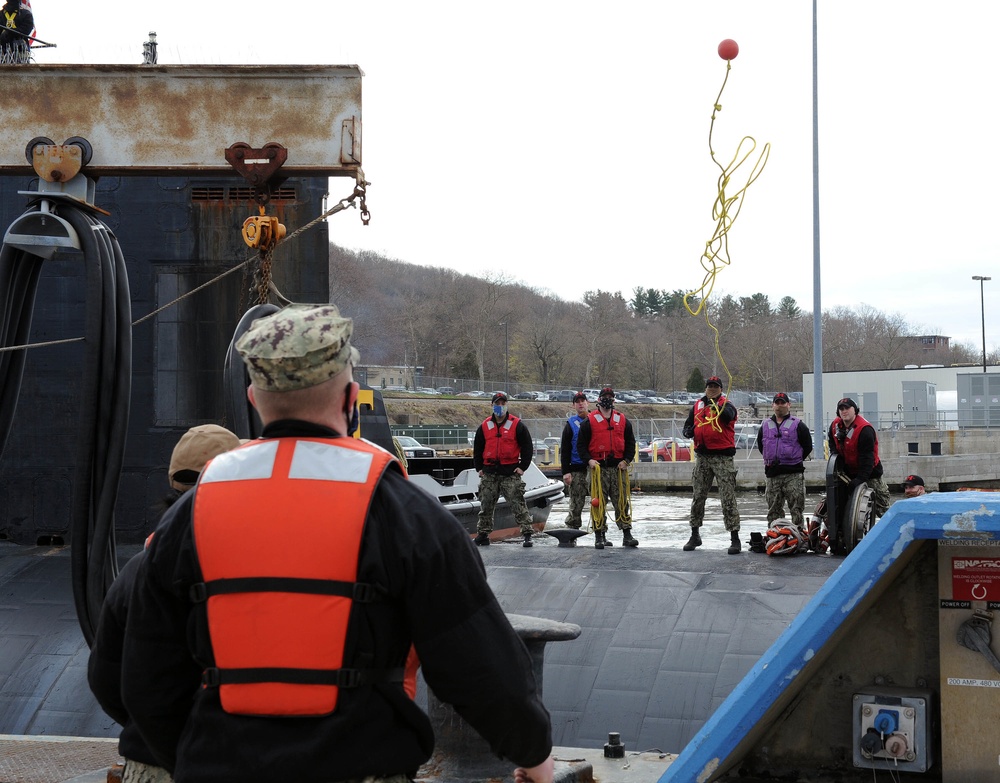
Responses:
[975,578]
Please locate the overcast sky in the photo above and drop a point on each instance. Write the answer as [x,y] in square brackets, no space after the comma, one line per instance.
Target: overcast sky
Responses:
[566,143]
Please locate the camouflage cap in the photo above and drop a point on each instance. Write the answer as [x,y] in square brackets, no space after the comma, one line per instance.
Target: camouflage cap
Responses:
[297,347]
[196,447]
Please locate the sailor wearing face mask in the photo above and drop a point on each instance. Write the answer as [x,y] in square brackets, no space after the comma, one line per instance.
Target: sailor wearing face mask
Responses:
[502,451]
[606,440]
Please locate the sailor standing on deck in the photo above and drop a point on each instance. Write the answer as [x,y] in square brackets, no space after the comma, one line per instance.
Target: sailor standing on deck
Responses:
[501,452]
[607,442]
[712,425]
[784,441]
[852,438]
[104,668]
[278,601]
[574,467]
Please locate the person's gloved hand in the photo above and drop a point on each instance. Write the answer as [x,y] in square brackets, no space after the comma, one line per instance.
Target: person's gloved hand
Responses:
[855,483]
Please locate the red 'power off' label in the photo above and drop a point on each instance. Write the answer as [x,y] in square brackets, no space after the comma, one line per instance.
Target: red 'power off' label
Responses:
[975,578]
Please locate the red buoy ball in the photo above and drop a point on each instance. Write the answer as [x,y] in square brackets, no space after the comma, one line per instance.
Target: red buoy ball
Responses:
[595,502]
[728,49]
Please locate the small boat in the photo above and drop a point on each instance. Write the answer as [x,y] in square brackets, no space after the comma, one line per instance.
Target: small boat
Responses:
[459,494]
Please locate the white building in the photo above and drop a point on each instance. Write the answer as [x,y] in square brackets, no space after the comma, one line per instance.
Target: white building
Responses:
[913,397]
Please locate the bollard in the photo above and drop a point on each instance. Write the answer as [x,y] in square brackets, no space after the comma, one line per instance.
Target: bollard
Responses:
[460,754]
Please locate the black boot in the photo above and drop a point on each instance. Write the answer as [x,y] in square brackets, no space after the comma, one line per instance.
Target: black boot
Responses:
[627,539]
[483,539]
[694,541]
[598,539]
[734,548]
[527,539]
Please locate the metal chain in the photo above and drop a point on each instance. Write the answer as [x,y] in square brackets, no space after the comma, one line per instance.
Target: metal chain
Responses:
[263,275]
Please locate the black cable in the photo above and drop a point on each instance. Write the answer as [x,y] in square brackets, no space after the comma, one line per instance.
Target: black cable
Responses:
[105,388]
[241,416]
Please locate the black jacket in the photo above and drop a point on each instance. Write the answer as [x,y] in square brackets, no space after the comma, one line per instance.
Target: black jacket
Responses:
[435,597]
[104,669]
[23,22]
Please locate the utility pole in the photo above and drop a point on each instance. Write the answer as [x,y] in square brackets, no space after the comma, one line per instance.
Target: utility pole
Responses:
[982,309]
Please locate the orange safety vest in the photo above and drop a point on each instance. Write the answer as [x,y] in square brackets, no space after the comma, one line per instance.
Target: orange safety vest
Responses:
[607,435]
[277,532]
[709,430]
[848,448]
[501,447]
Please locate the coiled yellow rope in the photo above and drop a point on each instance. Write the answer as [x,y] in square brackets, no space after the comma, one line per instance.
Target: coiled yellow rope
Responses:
[597,510]
[725,211]
[712,417]
[624,498]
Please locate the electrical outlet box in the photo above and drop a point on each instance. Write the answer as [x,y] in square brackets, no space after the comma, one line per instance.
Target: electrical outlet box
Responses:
[891,729]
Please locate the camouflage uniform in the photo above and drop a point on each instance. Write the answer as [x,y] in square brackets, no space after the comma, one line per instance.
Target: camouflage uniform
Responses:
[491,487]
[723,469]
[790,487]
[138,772]
[609,488]
[579,489]
[880,495]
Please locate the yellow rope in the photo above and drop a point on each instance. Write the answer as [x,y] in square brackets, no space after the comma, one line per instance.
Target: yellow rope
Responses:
[624,497]
[712,417]
[596,492]
[725,210]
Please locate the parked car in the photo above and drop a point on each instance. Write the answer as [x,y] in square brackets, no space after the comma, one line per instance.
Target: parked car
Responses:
[662,447]
[428,390]
[446,390]
[542,397]
[412,448]
[526,395]
[562,395]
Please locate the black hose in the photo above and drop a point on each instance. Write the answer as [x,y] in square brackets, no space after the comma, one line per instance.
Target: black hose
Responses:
[240,414]
[105,389]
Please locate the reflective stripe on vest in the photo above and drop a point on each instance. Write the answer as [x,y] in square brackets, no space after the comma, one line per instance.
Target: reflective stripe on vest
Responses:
[607,436]
[501,446]
[277,530]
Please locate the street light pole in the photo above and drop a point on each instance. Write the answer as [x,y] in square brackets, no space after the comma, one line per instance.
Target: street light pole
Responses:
[673,385]
[982,309]
[654,370]
[506,358]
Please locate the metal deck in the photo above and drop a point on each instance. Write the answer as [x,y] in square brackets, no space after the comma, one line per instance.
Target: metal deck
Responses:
[667,635]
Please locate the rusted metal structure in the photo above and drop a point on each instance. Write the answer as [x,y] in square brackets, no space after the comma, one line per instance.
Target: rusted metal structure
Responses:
[171,159]
[178,120]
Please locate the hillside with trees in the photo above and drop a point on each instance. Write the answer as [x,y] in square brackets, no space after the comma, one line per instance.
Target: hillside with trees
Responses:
[460,326]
